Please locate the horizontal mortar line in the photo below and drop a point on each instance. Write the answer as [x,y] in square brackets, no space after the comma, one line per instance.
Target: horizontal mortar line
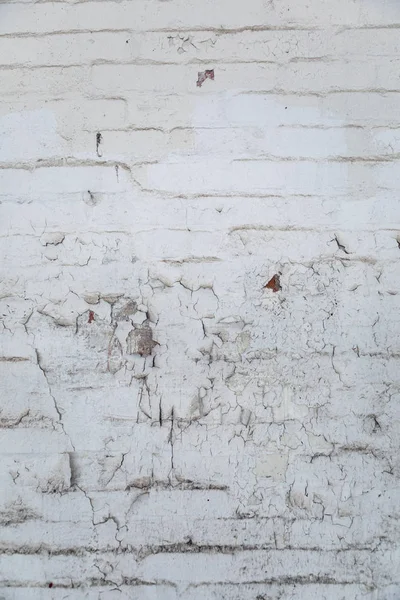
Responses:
[305,580]
[41,34]
[321,160]
[222,195]
[328,92]
[318,126]
[218,31]
[313,260]
[146,62]
[149,62]
[28,67]
[240,195]
[185,548]
[34,67]
[87,583]
[181,62]
[332,30]
[330,88]
[285,580]
[314,93]
[318,228]
[71,162]
[228,159]
[368,27]
[191,61]
[98,95]
[134,129]
[176,548]
[129,233]
[282,519]
[9,97]
[240,128]
[247,127]
[341,453]
[12,96]
[355,193]
[165,30]
[65,162]
[268,354]
[336,58]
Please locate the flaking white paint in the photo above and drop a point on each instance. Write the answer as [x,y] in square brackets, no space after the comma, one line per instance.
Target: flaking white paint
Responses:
[173,426]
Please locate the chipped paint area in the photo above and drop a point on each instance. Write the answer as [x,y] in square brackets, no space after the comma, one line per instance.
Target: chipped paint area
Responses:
[199,348]
[203,75]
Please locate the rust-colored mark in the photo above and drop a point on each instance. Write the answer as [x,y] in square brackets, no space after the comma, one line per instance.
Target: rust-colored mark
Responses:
[203,75]
[274,283]
[91,316]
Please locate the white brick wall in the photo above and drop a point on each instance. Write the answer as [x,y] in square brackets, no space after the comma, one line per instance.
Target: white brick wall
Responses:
[170,426]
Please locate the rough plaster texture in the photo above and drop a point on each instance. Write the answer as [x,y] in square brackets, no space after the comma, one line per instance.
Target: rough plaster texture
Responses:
[199,300]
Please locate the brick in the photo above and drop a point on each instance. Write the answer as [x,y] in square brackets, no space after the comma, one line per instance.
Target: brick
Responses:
[65,49]
[110,214]
[285,142]
[263,177]
[39,182]
[292,592]
[47,474]
[53,82]
[264,566]
[108,79]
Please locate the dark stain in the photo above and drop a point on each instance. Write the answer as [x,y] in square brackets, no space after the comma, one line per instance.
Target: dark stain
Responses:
[203,75]
[13,515]
[73,467]
[373,423]
[274,283]
[50,585]
[99,139]
[91,316]
[140,340]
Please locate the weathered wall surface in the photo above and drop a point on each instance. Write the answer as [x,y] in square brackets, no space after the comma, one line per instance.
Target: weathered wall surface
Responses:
[199,300]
